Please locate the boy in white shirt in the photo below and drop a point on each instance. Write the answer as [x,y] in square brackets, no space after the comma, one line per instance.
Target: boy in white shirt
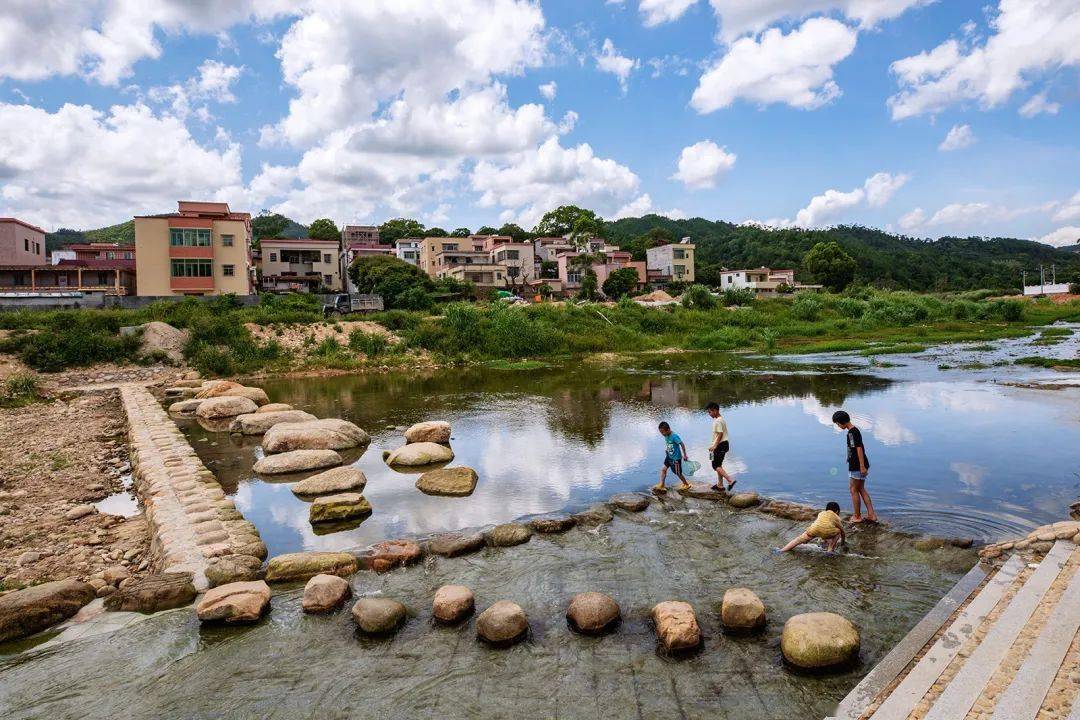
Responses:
[719,447]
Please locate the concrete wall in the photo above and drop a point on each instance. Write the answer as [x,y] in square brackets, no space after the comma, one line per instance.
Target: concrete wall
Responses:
[15,239]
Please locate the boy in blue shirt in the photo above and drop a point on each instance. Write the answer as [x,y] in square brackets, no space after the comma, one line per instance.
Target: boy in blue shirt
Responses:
[674,454]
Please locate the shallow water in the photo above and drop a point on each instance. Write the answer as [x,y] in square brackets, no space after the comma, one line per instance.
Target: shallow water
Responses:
[296,666]
[952,452]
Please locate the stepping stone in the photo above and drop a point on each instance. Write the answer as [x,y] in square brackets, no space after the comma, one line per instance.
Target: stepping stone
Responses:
[324,593]
[554,523]
[454,544]
[152,593]
[235,603]
[502,624]
[296,461]
[631,502]
[702,491]
[389,554]
[819,640]
[742,611]
[379,616]
[306,565]
[742,500]
[452,603]
[596,515]
[436,431]
[593,613]
[676,625]
[334,508]
[334,480]
[452,482]
[508,534]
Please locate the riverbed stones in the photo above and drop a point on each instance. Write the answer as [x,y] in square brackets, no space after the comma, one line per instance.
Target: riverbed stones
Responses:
[552,523]
[235,603]
[743,500]
[508,534]
[504,623]
[598,514]
[702,491]
[233,568]
[324,593]
[326,434]
[455,544]
[593,613]
[226,388]
[631,502]
[452,603]
[80,511]
[929,543]
[676,625]
[153,593]
[342,506]
[114,574]
[218,408]
[305,565]
[452,482]
[296,461]
[334,480]
[25,612]
[742,611]
[275,407]
[379,616]
[257,423]
[436,431]
[819,640]
[420,454]
[389,554]
[185,408]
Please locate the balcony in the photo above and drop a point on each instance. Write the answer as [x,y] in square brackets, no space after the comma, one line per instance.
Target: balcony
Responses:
[191,251]
[191,284]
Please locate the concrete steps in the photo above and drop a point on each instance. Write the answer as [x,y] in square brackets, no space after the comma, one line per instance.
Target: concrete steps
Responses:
[1013,604]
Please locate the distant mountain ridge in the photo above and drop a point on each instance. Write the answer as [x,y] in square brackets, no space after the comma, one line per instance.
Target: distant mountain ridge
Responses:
[884,259]
[124,234]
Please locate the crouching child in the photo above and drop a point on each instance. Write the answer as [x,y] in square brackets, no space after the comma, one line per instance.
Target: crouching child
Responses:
[827,527]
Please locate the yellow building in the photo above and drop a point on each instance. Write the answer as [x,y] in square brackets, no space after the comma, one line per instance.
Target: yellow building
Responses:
[202,249]
[671,263]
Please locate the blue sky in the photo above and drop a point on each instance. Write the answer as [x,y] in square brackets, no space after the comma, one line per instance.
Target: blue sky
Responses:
[923,117]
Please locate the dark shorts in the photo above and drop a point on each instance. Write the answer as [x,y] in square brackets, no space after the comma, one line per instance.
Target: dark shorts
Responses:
[675,465]
[717,455]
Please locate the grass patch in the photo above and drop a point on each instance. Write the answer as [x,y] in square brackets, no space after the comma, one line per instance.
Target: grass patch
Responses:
[902,349]
[1045,362]
[20,390]
[516,364]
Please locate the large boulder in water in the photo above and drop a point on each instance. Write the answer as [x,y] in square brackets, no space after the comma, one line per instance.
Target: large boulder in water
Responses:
[324,593]
[378,616]
[742,611]
[454,544]
[25,612]
[185,408]
[306,565]
[676,625]
[228,406]
[326,434]
[508,534]
[257,423]
[275,407]
[334,480]
[343,506]
[503,623]
[819,640]
[452,603]
[152,593]
[436,431]
[420,454]
[235,603]
[227,388]
[593,613]
[389,554]
[453,482]
[296,461]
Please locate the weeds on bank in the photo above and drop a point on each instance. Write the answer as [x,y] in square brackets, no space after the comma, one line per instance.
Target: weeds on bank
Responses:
[1045,362]
[19,390]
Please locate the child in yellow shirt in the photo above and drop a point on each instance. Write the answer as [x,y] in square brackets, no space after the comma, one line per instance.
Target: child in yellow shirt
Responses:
[827,527]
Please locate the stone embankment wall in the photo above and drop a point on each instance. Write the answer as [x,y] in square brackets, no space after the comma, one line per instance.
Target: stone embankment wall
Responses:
[191,521]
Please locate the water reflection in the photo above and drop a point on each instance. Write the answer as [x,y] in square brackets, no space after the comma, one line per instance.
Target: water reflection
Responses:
[953,457]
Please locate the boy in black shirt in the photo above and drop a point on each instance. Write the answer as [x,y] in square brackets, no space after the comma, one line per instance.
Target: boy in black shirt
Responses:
[858,467]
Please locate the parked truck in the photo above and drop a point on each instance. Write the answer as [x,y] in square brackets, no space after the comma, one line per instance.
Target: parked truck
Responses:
[345,304]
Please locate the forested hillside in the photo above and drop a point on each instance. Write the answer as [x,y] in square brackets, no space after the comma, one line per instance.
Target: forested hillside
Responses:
[123,233]
[884,260]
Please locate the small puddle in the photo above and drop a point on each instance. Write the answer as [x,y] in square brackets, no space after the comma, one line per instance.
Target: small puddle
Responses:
[123,503]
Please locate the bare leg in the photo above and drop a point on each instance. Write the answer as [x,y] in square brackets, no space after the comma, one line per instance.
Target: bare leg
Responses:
[804,538]
[721,473]
[685,482]
[870,514]
[855,487]
[831,543]
[663,476]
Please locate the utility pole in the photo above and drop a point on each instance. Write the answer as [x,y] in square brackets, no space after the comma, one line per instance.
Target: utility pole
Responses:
[1042,280]
[1023,282]
[1053,274]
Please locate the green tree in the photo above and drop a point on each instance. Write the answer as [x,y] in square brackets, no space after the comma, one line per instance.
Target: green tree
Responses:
[518,233]
[487,230]
[435,232]
[268,225]
[549,269]
[324,229]
[588,285]
[621,282]
[830,265]
[392,278]
[461,232]
[569,219]
[393,230]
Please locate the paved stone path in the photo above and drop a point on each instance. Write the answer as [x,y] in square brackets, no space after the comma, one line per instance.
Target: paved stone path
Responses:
[1009,654]
[190,518]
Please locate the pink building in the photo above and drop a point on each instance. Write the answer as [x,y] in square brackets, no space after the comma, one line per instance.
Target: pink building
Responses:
[21,243]
[570,273]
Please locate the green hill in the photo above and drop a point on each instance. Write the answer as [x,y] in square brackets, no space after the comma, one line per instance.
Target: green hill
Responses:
[884,259]
[124,233]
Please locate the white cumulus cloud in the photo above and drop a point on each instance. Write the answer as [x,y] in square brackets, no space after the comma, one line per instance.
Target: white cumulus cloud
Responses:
[548,90]
[958,138]
[833,204]
[610,60]
[1061,237]
[738,17]
[658,12]
[1038,105]
[794,68]
[702,164]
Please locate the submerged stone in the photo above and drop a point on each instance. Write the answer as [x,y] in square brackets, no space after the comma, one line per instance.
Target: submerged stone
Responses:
[378,616]
[454,544]
[553,523]
[596,515]
[508,534]
[385,556]
[632,502]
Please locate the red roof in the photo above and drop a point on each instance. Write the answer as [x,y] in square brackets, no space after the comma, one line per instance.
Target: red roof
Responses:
[17,221]
[102,264]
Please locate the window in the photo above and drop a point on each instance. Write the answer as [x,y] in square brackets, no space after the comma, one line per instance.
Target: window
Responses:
[680,270]
[513,254]
[187,267]
[110,255]
[512,272]
[678,253]
[102,278]
[226,240]
[326,258]
[573,277]
[228,270]
[273,257]
[37,248]
[26,244]
[327,279]
[189,237]
[449,247]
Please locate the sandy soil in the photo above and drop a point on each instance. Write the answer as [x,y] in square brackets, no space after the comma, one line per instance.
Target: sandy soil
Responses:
[55,456]
[300,336]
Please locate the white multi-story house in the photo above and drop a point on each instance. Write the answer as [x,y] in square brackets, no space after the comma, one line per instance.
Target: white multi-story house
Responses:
[408,249]
[759,280]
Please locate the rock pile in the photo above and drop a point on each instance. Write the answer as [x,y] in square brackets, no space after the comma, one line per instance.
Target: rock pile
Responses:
[1038,541]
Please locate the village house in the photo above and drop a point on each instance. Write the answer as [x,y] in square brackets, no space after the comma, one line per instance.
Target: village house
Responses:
[202,249]
[604,264]
[408,249]
[360,234]
[93,251]
[300,264]
[671,263]
[21,243]
[760,280]
[353,249]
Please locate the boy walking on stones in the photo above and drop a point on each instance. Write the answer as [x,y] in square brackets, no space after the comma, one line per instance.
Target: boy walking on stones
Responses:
[858,467]
[719,447]
[674,454]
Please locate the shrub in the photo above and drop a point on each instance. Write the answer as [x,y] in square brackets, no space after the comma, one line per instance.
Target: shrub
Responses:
[698,297]
[20,389]
[620,282]
[391,278]
[807,306]
[76,339]
[1010,310]
[220,345]
[513,333]
[394,320]
[850,307]
[737,296]
[725,338]
[371,344]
